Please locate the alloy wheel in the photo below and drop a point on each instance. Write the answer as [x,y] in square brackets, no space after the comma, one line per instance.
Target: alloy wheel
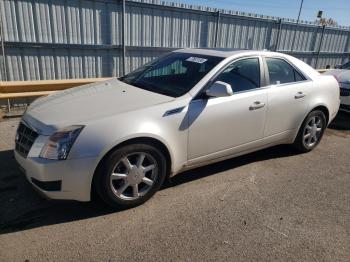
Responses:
[312,131]
[133,176]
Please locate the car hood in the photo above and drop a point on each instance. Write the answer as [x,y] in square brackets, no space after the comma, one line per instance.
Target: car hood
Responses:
[342,75]
[82,104]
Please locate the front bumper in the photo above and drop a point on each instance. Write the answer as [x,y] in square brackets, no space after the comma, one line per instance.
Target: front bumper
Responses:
[67,179]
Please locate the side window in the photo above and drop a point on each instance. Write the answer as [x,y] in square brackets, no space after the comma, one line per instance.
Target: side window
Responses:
[281,72]
[242,75]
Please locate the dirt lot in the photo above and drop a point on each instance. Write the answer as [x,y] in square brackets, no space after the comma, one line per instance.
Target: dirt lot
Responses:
[271,205]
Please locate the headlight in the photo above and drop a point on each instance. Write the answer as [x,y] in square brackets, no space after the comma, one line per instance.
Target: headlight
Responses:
[60,143]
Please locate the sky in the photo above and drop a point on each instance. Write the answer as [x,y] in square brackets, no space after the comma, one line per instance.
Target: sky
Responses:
[338,10]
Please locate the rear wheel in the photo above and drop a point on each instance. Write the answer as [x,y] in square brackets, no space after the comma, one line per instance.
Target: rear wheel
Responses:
[131,175]
[311,131]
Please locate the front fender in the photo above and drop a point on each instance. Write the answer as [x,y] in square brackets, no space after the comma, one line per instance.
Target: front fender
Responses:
[102,135]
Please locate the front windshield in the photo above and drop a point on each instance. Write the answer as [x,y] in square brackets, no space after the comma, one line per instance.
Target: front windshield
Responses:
[346,66]
[173,75]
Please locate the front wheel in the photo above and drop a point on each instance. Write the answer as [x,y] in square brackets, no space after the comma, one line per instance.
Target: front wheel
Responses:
[311,131]
[131,175]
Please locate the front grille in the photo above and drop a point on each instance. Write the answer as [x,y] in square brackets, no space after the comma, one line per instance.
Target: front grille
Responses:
[344,92]
[25,138]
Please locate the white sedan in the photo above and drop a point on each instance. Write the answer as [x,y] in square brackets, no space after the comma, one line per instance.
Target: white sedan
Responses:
[342,75]
[122,138]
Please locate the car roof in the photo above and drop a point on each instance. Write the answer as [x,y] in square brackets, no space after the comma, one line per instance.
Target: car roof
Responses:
[221,52]
[307,70]
[226,53]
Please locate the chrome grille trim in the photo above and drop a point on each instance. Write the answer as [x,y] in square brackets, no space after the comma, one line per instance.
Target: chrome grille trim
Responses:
[25,138]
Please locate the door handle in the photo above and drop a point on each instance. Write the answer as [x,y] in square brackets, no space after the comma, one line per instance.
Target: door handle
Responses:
[256,105]
[299,95]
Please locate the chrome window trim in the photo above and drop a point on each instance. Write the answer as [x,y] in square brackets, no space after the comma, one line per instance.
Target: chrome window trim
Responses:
[290,83]
[250,90]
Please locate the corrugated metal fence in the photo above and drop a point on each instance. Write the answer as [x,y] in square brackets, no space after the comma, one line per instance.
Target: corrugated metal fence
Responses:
[56,39]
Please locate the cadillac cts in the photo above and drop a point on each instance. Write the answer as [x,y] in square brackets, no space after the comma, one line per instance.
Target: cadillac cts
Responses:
[122,138]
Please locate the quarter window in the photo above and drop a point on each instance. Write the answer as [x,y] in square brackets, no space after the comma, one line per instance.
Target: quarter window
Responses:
[281,72]
[242,75]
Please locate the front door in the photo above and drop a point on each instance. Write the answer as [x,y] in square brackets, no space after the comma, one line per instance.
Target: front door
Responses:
[218,126]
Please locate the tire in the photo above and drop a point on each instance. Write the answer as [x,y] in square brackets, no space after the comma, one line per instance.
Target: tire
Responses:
[311,131]
[130,175]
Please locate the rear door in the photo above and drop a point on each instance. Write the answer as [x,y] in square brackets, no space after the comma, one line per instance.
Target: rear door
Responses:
[288,96]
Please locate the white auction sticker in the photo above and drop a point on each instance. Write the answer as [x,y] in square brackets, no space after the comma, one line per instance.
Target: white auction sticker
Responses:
[198,60]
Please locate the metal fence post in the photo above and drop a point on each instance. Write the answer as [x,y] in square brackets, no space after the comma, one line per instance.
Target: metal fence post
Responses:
[278,33]
[8,105]
[301,6]
[3,51]
[319,46]
[347,49]
[124,38]
[217,28]
[4,71]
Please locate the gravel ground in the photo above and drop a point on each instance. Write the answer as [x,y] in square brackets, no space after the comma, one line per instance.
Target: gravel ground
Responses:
[271,205]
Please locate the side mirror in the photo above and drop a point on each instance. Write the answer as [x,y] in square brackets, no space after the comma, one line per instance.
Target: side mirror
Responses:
[219,89]
[337,66]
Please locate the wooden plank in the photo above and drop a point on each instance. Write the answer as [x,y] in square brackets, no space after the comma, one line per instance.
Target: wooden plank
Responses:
[322,70]
[44,85]
[25,94]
